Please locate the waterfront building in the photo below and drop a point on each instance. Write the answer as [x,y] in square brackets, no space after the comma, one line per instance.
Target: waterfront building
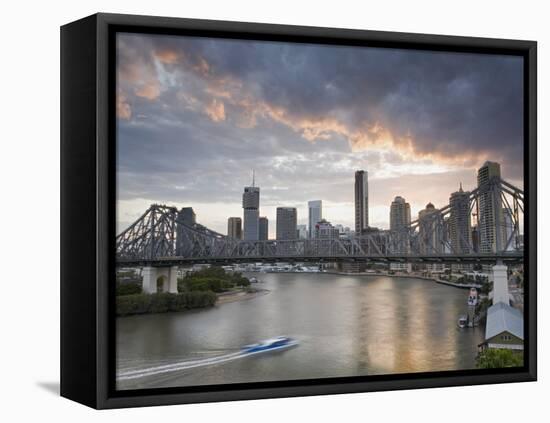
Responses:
[460,230]
[263,225]
[491,220]
[234,228]
[251,212]
[361,201]
[302,231]
[315,215]
[504,328]
[286,227]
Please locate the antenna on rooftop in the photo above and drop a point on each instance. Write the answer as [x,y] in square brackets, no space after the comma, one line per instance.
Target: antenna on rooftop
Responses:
[253,177]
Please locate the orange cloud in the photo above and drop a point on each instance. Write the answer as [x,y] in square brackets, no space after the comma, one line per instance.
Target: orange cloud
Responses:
[123,109]
[167,57]
[215,110]
[221,90]
[150,91]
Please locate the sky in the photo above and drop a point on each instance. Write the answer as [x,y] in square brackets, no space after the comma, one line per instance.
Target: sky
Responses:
[196,115]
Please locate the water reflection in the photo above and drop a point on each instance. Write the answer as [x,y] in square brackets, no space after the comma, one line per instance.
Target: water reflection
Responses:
[346,326]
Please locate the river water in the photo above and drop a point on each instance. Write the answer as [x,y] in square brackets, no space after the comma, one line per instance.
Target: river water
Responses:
[345,325]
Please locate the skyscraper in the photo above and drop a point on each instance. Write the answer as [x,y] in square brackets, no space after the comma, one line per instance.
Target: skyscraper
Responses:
[428,229]
[509,230]
[234,228]
[251,205]
[315,214]
[286,223]
[361,201]
[400,214]
[186,218]
[400,218]
[460,227]
[491,219]
[263,228]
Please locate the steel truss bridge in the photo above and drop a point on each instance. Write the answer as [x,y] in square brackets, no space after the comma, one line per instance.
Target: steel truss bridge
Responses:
[162,237]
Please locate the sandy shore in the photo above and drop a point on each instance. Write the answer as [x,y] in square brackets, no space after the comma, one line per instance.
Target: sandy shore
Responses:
[230,297]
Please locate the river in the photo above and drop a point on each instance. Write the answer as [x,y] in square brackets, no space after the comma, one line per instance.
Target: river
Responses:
[345,325]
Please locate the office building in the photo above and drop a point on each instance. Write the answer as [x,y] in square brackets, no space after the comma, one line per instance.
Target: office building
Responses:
[315,215]
[302,231]
[400,214]
[344,231]
[263,224]
[186,218]
[429,223]
[400,218]
[234,228]
[361,201]
[491,219]
[460,228]
[325,230]
[286,223]
[509,241]
[251,212]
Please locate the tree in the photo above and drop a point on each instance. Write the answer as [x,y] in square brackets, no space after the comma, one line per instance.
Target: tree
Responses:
[499,359]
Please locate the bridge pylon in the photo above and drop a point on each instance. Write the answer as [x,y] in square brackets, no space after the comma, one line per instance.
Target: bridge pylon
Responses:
[160,279]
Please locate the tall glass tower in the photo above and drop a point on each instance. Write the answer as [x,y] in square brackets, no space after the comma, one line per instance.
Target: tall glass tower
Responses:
[361,201]
[315,215]
[251,212]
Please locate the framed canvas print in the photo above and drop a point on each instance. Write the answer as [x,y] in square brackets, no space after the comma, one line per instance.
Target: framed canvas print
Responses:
[256,211]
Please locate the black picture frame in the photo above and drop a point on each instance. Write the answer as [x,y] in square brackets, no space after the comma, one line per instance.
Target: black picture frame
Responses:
[88,218]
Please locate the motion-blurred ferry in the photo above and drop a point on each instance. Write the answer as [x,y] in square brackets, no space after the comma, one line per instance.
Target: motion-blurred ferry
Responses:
[273,344]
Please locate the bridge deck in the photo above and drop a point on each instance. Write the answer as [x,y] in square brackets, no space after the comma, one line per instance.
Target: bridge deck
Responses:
[509,258]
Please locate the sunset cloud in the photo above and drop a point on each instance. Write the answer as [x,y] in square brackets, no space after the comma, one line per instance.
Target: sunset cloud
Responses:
[166,56]
[150,91]
[123,110]
[215,110]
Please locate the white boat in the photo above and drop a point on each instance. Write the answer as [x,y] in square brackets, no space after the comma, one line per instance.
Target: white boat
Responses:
[462,321]
[273,344]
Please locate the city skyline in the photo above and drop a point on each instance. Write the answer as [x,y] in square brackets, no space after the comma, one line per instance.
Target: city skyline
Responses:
[196,115]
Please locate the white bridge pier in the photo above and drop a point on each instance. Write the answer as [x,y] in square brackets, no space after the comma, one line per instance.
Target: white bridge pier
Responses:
[166,277]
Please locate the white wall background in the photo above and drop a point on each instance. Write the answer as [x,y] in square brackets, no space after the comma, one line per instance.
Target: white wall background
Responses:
[29,234]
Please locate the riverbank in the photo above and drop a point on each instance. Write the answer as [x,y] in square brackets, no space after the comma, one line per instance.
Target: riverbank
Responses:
[230,297]
[440,281]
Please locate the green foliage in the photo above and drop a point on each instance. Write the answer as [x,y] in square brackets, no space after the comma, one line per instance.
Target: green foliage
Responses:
[206,284]
[163,302]
[486,287]
[499,359]
[214,279]
[128,288]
